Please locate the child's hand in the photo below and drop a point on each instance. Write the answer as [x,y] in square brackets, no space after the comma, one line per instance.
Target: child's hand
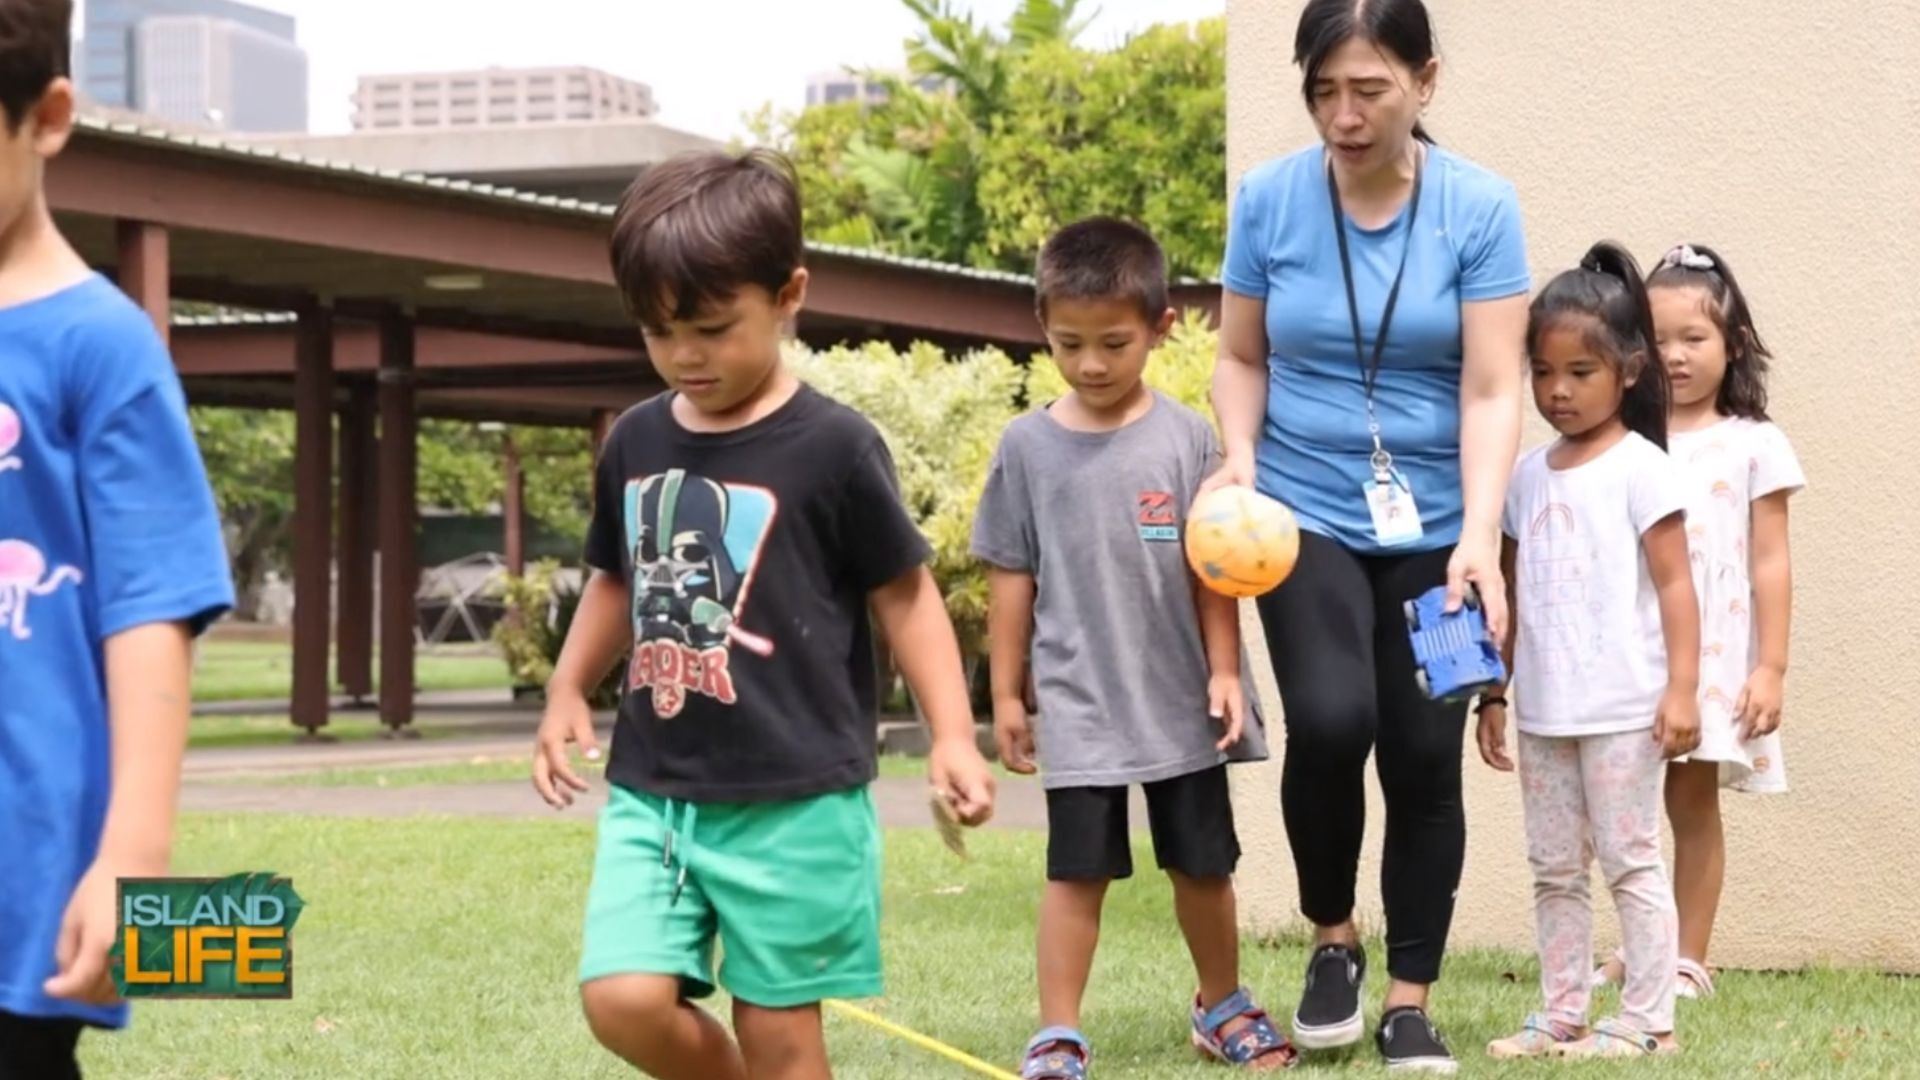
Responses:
[1490,731]
[1013,735]
[87,933]
[956,770]
[567,719]
[1759,709]
[1226,703]
[1676,727]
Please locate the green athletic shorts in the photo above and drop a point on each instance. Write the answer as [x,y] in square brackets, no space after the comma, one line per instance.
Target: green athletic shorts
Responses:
[790,889]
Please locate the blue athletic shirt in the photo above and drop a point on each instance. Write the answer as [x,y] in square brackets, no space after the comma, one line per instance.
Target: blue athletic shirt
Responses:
[1282,248]
[106,522]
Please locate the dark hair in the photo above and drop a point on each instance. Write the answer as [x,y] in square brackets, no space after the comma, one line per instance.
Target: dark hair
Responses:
[1103,258]
[34,47]
[1743,392]
[1399,26]
[695,229]
[1608,288]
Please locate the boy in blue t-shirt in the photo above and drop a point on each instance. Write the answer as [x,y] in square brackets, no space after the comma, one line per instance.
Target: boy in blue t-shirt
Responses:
[111,559]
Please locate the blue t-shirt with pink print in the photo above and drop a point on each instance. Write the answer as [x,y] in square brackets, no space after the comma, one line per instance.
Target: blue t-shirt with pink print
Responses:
[107,522]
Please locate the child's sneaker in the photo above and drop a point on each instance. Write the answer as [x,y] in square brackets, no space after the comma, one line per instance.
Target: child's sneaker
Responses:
[1615,1038]
[1538,1037]
[1328,1015]
[1409,1041]
[1255,1044]
[1057,1053]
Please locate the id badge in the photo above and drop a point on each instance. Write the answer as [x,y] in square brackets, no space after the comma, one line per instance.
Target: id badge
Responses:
[1396,520]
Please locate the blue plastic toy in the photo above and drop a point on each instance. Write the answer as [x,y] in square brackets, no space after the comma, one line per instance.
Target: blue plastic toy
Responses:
[1456,657]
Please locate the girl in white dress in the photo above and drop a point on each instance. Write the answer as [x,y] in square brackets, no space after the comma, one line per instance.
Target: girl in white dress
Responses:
[1740,471]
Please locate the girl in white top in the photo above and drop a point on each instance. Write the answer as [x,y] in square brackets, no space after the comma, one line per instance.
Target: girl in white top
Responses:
[1739,471]
[1605,655]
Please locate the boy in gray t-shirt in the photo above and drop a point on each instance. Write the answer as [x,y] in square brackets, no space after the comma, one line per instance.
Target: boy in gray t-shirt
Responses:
[1136,668]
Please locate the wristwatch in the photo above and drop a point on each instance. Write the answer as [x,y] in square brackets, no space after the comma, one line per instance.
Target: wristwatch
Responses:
[1494,698]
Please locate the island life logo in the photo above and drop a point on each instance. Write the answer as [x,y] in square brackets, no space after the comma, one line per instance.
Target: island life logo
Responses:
[187,937]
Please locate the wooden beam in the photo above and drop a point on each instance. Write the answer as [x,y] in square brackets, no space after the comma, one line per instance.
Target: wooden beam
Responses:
[512,507]
[358,533]
[399,520]
[143,272]
[312,516]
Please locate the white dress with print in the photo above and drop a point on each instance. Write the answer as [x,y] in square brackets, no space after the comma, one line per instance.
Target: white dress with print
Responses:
[1728,466]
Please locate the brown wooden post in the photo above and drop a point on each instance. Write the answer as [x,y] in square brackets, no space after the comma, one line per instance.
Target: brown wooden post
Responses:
[512,507]
[143,270]
[399,535]
[354,662]
[312,514]
[602,426]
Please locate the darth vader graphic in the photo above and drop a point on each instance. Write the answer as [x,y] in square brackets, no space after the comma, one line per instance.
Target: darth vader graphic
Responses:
[694,543]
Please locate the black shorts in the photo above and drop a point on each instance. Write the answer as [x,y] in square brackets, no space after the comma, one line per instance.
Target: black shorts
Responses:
[1191,818]
[37,1048]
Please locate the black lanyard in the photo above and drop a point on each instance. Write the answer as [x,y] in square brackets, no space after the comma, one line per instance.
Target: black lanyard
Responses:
[1371,374]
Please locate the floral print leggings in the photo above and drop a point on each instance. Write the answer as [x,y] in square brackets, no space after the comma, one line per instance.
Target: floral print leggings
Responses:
[1588,796]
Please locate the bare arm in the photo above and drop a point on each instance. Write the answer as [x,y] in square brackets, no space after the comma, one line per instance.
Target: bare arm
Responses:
[1493,346]
[1772,575]
[1240,376]
[601,629]
[1009,634]
[1677,724]
[1667,562]
[1220,630]
[913,616]
[149,669]
[1772,572]
[1509,555]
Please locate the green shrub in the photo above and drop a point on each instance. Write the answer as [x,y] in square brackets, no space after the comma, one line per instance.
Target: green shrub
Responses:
[539,611]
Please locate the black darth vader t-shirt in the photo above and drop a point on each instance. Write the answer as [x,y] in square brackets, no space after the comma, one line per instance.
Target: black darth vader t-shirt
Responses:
[749,556]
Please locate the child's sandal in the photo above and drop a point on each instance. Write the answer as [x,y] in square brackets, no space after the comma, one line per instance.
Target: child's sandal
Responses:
[1057,1053]
[1256,1044]
[1691,980]
[1613,1038]
[1538,1037]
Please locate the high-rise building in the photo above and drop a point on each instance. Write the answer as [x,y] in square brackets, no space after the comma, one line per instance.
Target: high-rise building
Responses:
[834,87]
[227,75]
[217,63]
[497,97]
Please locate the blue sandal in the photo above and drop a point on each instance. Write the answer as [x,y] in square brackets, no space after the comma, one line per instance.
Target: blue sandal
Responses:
[1057,1053]
[1251,1044]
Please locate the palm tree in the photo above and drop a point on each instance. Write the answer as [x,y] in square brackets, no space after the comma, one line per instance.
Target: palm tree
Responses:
[923,186]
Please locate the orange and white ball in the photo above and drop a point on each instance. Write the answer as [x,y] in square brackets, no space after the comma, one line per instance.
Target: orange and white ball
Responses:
[1241,543]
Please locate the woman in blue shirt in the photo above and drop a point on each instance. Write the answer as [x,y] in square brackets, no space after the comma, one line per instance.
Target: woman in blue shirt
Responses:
[1372,345]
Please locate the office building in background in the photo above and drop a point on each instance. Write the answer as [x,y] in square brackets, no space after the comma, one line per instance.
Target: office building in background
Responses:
[213,64]
[497,97]
[834,87]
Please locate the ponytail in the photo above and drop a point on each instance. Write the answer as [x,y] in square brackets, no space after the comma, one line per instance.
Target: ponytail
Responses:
[1609,287]
[1643,408]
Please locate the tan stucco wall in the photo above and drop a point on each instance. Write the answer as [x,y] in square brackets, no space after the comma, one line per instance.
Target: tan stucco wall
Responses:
[1787,135]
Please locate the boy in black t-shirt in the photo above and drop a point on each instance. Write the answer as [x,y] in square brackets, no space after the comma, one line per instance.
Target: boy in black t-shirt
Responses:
[743,526]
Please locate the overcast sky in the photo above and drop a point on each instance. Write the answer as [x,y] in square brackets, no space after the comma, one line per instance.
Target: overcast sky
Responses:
[708,61]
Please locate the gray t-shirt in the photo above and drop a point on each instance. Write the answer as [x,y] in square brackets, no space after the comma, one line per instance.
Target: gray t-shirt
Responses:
[1120,668]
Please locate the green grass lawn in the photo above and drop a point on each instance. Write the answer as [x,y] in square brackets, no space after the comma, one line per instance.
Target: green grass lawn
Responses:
[438,948]
[481,769]
[248,670]
[216,732]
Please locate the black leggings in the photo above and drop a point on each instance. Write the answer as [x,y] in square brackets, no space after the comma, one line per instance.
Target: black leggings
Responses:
[1338,642]
[38,1048]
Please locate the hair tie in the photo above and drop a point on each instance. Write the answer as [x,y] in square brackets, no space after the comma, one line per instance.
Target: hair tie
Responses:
[1683,255]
